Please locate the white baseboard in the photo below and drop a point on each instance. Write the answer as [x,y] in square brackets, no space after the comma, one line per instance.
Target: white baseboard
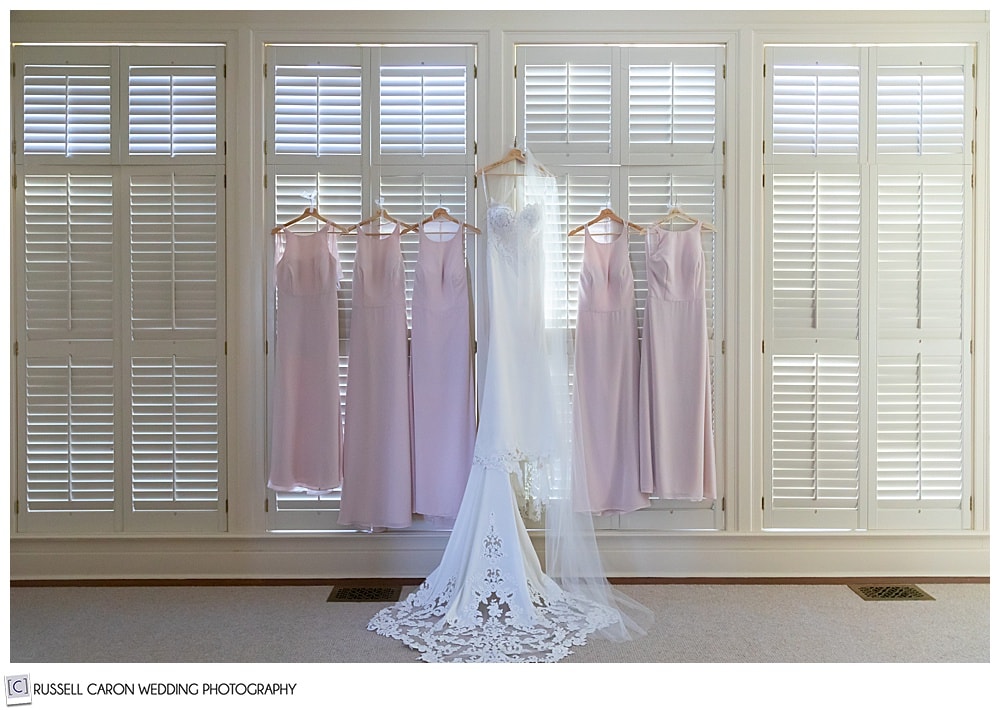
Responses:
[414,555]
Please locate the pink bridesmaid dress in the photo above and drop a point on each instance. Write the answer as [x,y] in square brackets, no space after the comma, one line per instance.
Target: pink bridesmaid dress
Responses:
[444,408]
[306,435]
[606,379]
[377,491]
[676,445]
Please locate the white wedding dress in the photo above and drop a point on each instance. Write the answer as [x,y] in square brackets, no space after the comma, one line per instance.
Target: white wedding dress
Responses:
[489,600]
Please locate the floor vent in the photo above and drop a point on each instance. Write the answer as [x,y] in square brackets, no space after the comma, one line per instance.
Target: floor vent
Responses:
[364,594]
[891,592]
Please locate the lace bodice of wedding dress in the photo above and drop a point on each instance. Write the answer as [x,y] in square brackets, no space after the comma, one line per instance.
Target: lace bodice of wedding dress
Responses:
[489,599]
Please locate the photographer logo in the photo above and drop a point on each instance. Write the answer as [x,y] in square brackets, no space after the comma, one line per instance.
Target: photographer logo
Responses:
[18,689]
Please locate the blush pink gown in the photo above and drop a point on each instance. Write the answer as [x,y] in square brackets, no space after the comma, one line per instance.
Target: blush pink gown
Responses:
[444,409]
[306,435]
[377,491]
[606,380]
[676,444]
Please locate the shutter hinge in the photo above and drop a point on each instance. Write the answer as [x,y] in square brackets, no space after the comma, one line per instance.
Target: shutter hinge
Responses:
[13,69]
[17,347]
[971,508]
[973,146]
[227,506]
[265,181]
[723,147]
[17,507]
[762,346]
[723,182]
[267,346]
[972,346]
[763,147]
[225,147]
[475,71]
[225,347]
[973,181]
[224,76]
[763,180]
[973,71]
[475,181]
[723,347]
[13,147]
[515,71]
[265,70]
[762,502]
[475,147]
[265,146]
[723,504]
[224,179]
[13,180]
[765,70]
[267,505]
[723,71]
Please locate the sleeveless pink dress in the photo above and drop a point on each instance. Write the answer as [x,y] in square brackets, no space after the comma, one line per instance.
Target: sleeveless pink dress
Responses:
[606,379]
[444,406]
[676,442]
[377,491]
[306,435]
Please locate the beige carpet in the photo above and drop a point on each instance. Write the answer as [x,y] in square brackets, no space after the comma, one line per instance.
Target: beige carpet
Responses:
[695,623]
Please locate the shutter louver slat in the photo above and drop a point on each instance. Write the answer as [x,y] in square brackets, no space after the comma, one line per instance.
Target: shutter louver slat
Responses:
[67,110]
[68,241]
[70,433]
[175,434]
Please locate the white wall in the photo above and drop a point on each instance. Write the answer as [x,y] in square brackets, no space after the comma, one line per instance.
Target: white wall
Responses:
[743,549]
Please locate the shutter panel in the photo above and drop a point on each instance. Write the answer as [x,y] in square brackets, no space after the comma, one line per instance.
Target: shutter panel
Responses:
[70,434]
[816,255]
[423,105]
[174,107]
[317,109]
[815,433]
[674,100]
[175,434]
[567,99]
[67,107]
[921,109]
[68,260]
[921,254]
[175,262]
[920,437]
[816,102]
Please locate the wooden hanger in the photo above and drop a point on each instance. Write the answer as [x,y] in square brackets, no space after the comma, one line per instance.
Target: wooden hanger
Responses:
[442,213]
[306,213]
[678,212]
[514,155]
[380,215]
[607,213]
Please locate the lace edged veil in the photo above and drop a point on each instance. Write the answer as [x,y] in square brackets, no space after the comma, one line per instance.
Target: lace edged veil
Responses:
[572,558]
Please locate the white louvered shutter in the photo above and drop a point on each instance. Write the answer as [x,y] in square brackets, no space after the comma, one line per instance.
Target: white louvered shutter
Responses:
[315,109]
[424,103]
[66,101]
[922,400]
[674,103]
[816,289]
[173,107]
[566,102]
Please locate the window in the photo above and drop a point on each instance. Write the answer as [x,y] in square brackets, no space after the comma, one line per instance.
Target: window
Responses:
[868,165]
[353,128]
[120,216]
[639,129]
